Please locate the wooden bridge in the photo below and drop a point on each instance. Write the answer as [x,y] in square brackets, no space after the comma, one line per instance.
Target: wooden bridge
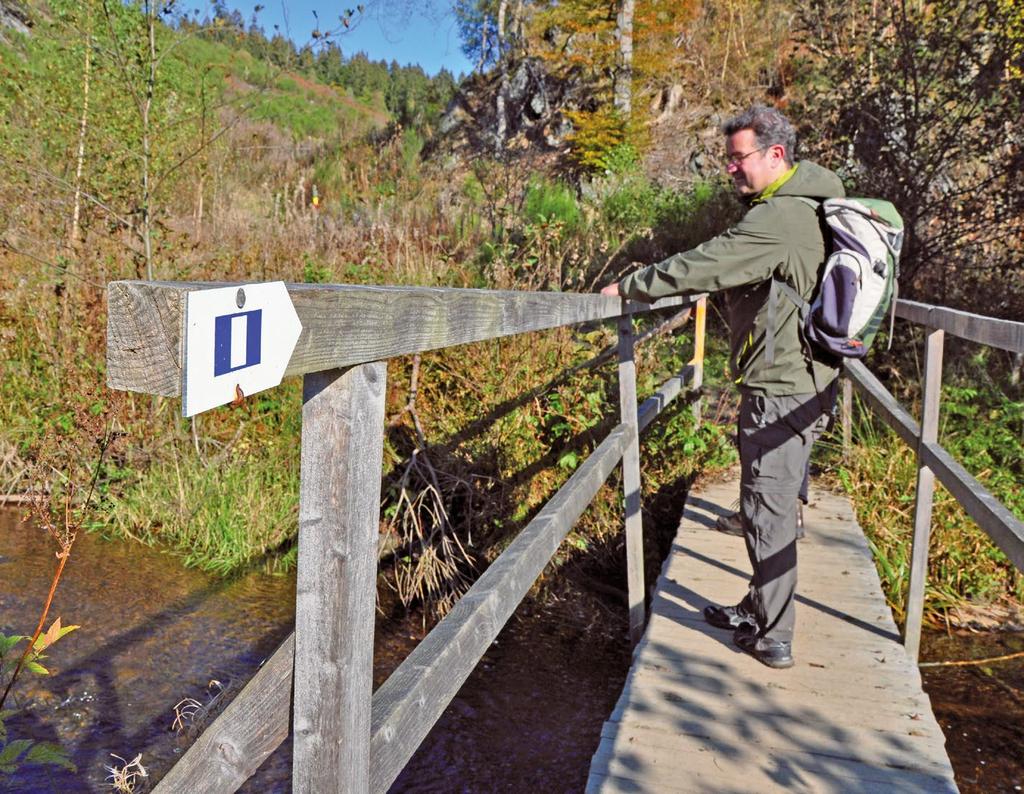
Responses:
[699,715]
[695,715]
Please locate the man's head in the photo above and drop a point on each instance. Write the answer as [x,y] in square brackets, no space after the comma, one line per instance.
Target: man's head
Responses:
[759,146]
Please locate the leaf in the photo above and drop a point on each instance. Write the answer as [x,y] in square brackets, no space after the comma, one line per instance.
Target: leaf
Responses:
[50,753]
[50,637]
[54,633]
[36,668]
[569,460]
[9,754]
[6,643]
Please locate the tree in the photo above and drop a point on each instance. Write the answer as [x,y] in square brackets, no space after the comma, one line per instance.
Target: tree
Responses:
[921,103]
[478,29]
[624,63]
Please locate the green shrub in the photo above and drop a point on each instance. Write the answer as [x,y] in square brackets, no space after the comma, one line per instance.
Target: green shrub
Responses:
[981,428]
[551,202]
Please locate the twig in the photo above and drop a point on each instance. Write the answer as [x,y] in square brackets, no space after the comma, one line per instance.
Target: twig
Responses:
[966,662]
[66,543]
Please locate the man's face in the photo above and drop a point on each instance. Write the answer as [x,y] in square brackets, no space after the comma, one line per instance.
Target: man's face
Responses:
[752,167]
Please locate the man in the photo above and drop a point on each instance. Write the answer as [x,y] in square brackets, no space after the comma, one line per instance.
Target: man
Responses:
[785,399]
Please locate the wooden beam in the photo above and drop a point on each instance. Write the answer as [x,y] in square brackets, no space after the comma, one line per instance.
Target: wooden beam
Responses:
[409,703]
[651,407]
[847,418]
[631,482]
[342,325]
[339,505]
[879,398]
[255,723]
[998,522]
[1004,334]
[931,390]
[252,726]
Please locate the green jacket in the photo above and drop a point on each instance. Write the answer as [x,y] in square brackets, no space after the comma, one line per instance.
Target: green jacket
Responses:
[779,236]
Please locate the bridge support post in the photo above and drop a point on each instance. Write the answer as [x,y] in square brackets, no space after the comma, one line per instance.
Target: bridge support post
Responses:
[631,481]
[847,417]
[931,388]
[339,507]
[699,326]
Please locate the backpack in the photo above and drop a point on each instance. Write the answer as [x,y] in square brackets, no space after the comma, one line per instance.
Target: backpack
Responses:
[858,282]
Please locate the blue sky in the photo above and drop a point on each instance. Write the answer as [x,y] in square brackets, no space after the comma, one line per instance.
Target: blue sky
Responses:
[406,31]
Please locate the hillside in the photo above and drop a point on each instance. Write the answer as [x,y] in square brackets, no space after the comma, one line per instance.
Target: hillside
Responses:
[225,155]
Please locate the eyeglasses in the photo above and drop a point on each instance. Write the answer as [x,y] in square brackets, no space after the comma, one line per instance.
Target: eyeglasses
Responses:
[737,159]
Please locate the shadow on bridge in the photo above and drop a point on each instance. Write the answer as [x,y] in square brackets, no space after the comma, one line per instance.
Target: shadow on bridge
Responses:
[699,715]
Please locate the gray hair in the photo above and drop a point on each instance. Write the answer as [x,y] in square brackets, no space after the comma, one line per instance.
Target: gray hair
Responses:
[769,126]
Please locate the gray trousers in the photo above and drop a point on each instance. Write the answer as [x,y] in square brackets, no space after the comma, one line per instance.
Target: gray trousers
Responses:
[776,436]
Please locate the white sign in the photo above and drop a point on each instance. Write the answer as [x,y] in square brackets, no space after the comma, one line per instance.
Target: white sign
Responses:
[237,340]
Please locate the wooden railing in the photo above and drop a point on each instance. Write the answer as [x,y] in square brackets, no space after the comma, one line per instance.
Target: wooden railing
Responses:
[344,738]
[932,459]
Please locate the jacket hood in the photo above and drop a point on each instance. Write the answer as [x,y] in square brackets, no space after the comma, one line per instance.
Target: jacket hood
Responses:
[813,181]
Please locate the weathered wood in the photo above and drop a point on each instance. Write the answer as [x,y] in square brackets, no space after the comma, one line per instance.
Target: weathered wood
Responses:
[631,482]
[1004,334]
[697,714]
[342,325]
[899,750]
[255,723]
[879,398]
[997,521]
[409,703]
[924,493]
[847,418]
[650,408]
[252,726]
[342,447]
[730,765]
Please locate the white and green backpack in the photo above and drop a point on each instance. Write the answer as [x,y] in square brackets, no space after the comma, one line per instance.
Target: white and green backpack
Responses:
[859,280]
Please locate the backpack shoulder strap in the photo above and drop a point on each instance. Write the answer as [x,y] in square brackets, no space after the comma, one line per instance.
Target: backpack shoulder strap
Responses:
[812,203]
[777,286]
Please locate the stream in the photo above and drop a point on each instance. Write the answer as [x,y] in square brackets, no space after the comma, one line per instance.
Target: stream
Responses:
[527,720]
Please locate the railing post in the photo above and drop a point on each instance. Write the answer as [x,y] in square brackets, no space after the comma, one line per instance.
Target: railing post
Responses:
[339,505]
[631,481]
[931,389]
[699,325]
[847,418]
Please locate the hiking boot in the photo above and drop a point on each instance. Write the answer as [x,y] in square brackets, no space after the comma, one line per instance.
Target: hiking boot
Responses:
[773,653]
[728,617]
[730,524]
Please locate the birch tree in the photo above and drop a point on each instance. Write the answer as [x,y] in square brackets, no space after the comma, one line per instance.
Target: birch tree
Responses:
[623,88]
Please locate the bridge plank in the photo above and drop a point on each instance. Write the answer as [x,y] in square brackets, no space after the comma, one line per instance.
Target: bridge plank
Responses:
[615,784]
[1004,334]
[748,766]
[900,751]
[342,325]
[697,714]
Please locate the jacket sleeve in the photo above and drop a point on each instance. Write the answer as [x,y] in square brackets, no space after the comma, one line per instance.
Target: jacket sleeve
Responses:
[747,253]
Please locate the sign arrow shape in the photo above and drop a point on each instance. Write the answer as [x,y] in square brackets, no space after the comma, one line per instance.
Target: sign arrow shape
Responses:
[236,338]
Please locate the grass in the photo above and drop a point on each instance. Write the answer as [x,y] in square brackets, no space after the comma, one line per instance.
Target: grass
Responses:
[220,518]
[964,564]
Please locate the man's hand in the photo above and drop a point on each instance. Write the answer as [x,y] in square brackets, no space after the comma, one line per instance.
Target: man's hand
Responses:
[611,290]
